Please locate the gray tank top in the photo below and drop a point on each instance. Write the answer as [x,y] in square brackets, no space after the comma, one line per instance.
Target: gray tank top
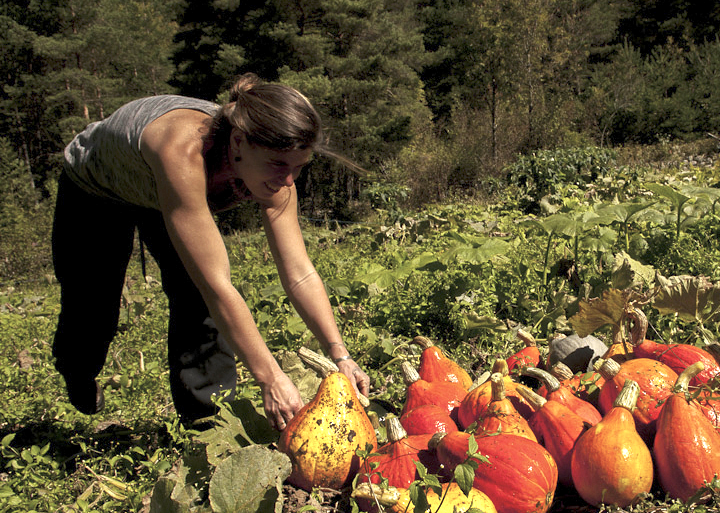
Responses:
[105,159]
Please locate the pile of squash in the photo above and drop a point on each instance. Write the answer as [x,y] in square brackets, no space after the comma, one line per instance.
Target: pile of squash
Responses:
[609,423]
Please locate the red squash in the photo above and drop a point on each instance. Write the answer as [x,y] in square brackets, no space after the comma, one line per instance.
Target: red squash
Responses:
[396,459]
[585,385]
[687,445]
[557,428]
[676,356]
[611,464]
[655,380]
[500,416]
[528,356]
[680,356]
[428,419]
[520,475]
[435,366]
[445,394]
[556,391]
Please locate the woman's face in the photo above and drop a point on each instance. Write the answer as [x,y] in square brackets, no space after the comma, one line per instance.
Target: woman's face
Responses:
[261,171]
[267,172]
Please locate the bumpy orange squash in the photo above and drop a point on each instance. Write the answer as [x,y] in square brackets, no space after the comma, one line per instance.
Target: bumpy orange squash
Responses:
[610,462]
[687,445]
[395,461]
[435,366]
[428,419]
[322,438]
[655,379]
[528,356]
[585,385]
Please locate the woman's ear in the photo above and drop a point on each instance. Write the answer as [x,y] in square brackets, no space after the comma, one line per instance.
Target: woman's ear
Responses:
[236,139]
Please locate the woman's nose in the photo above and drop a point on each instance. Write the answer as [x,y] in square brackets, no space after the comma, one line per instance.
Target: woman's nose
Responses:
[288,179]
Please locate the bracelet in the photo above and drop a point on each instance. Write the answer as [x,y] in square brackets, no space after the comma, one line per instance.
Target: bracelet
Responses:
[342,358]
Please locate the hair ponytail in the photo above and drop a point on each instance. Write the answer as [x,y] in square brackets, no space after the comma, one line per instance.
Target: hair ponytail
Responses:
[270,115]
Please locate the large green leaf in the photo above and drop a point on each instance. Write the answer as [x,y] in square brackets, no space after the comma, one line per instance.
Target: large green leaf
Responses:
[675,197]
[250,481]
[238,424]
[179,490]
[622,212]
[475,254]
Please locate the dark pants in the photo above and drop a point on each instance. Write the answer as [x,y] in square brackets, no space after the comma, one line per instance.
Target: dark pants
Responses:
[92,243]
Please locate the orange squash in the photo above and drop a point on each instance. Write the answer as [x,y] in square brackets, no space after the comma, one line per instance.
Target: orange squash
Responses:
[687,445]
[528,356]
[428,419]
[557,428]
[323,437]
[555,391]
[477,399]
[435,366]
[500,416]
[520,476]
[446,394]
[655,379]
[611,464]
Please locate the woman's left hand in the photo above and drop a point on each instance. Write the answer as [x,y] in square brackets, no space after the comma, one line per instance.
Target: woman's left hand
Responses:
[356,375]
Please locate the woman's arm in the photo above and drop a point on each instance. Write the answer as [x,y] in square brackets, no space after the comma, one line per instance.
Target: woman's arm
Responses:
[303,284]
[173,150]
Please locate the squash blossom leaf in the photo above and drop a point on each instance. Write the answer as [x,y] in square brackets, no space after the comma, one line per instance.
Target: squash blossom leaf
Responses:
[179,490]
[475,323]
[249,481]
[629,273]
[306,380]
[598,312]
[692,298]
[238,424]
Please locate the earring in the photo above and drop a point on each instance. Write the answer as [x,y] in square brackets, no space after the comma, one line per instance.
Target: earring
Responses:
[237,159]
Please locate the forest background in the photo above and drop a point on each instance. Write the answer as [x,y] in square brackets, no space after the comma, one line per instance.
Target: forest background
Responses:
[450,105]
[434,98]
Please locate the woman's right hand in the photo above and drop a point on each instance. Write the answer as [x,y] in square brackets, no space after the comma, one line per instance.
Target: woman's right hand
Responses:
[281,400]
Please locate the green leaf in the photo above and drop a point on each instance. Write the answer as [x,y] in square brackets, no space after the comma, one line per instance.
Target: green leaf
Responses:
[628,272]
[676,198]
[239,424]
[475,254]
[418,497]
[475,323]
[249,481]
[465,476]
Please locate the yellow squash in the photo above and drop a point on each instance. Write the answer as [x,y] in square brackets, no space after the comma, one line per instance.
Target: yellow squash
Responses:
[321,440]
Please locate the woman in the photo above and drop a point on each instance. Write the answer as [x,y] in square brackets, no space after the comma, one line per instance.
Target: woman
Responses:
[165,164]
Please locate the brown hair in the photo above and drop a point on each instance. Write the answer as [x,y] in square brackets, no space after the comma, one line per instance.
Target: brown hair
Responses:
[273,116]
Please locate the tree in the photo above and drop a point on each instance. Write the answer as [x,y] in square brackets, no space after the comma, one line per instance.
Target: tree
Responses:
[358,61]
[77,62]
